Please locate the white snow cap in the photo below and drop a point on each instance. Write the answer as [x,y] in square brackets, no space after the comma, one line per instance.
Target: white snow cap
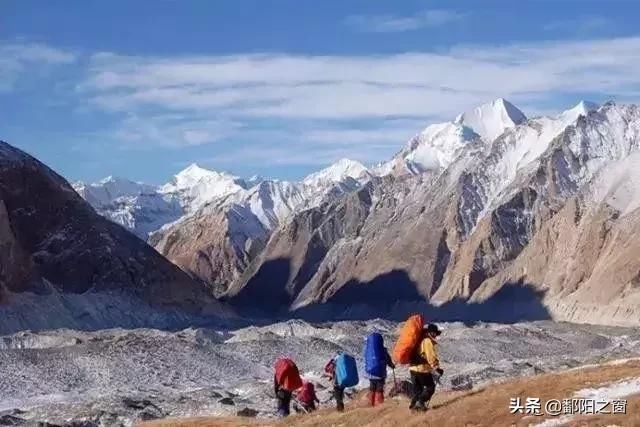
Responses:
[581,109]
[194,173]
[337,172]
[195,186]
[492,119]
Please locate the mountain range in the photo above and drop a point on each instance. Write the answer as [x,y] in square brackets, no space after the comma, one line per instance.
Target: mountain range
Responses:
[63,265]
[537,215]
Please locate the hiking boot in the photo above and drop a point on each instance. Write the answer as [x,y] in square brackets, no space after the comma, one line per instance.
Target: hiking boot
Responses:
[419,407]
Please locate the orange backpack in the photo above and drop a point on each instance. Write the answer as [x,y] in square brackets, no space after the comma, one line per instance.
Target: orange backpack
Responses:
[408,340]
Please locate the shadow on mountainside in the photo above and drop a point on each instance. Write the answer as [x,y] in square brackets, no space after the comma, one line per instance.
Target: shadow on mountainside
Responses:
[393,295]
[266,290]
[514,302]
[266,299]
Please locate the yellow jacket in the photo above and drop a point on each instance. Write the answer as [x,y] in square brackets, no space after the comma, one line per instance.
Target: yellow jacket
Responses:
[428,351]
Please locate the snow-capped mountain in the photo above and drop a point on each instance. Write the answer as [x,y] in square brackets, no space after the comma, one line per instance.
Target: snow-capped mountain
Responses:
[195,186]
[542,220]
[107,190]
[437,146]
[488,203]
[226,234]
[139,207]
[144,209]
[492,119]
[338,172]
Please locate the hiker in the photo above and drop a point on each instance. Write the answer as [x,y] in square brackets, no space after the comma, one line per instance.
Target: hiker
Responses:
[285,380]
[342,372]
[425,368]
[306,396]
[338,392]
[376,359]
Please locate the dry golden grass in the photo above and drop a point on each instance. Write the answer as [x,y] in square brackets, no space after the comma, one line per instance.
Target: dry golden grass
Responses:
[483,407]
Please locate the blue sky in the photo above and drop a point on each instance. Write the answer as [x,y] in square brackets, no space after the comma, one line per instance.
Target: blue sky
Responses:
[143,88]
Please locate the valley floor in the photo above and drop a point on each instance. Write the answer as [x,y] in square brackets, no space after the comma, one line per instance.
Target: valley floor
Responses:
[119,377]
[485,406]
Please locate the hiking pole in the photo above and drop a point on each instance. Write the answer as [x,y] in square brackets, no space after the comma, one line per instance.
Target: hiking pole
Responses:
[395,383]
[300,405]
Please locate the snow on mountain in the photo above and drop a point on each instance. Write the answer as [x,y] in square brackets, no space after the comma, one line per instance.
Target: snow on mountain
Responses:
[492,119]
[618,185]
[195,186]
[109,189]
[437,146]
[337,172]
[145,208]
[581,109]
[274,201]
[518,149]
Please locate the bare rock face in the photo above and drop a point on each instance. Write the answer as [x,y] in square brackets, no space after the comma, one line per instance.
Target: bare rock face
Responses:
[511,224]
[217,243]
[214,247]
[17,271]
[53,240]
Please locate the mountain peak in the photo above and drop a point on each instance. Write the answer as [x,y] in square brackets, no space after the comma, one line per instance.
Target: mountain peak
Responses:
[194,171]
[582,108]
[490,120]
[338,171]
[111,179]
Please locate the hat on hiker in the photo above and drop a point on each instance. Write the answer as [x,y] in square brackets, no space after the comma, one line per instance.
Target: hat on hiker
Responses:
[432,328]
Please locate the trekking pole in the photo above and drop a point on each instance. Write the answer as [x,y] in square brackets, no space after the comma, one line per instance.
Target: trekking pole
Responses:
[300,405]
[395,383]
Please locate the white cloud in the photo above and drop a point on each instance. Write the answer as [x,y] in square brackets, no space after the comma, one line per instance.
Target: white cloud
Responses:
[392,23]
[18,59]
[319,103]
[367,86]
[171,131]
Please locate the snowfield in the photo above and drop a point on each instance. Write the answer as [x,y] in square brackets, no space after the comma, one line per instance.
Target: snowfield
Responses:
[116,377]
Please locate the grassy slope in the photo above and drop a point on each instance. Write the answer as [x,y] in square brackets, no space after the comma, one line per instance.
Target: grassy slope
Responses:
[482,407]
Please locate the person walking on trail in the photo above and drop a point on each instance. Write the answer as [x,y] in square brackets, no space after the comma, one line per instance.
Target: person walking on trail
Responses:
[306,396]
[285,381]
[338,392]
[376,359]
[425,368]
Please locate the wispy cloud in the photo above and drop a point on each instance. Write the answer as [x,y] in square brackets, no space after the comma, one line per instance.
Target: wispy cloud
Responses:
[350,87]
[171,130]
[312,109]
[18,59]
[394,23]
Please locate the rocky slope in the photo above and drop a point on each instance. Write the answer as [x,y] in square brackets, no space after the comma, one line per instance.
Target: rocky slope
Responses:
[121,377]
[55,247]
[219,241]
[518,221]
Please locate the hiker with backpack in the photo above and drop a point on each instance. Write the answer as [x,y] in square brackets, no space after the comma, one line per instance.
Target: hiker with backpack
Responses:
[425,368]
[306,396]
[342,372]
[285,381]
[376,360]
